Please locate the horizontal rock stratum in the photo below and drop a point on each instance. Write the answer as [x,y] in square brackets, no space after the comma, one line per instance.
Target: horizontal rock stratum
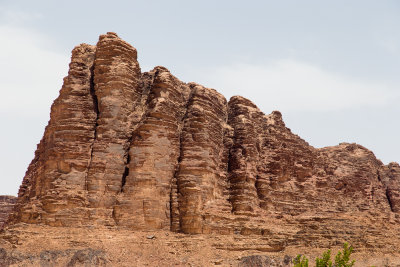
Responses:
[146,151]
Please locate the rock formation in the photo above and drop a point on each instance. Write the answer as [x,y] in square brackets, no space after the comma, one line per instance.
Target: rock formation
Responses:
[146,151]
[6,206]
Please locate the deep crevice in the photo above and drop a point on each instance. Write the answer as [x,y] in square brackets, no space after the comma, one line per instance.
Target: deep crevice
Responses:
[230,184]
[378,176]
[174,182]
[142,102]
[237,143]
[96,109]
[229,167]
[127,161]
[389,200]
[177,167]
[125,174]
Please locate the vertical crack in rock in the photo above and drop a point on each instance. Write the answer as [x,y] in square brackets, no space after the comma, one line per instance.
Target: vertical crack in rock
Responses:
[390,181]
[116,84]
[175,224]
[174,195]
[378,176]
[96,110]
[174,205]
[141,112]
[145,202]
[124,175]
[388,196]
[229,167]
[243,154]
[127,160]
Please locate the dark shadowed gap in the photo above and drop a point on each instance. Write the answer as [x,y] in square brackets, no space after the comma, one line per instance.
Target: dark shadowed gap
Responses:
[389,201]
[96,109]
[124,175]
[177,169]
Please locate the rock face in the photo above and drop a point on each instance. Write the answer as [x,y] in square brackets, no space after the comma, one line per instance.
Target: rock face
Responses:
[146,151]
[6,206]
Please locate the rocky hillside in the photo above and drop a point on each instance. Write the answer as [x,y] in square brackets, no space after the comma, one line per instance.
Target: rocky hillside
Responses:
[146,151]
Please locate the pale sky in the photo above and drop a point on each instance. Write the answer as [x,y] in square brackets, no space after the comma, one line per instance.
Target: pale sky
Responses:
[331,67]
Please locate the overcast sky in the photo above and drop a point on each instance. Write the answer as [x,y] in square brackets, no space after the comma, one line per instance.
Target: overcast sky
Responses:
[331,67]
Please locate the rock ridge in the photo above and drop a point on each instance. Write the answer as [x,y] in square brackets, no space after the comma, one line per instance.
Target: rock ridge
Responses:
[147,151]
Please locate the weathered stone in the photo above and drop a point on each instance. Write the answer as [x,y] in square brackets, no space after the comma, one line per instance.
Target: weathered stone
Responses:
[54,188]
[117,90]
[201,176]
[247,121]
[144,201]
[6,206]
[146,151]
[390,177]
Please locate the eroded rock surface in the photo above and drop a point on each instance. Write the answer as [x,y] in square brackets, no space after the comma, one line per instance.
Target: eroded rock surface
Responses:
[69,258]
[54,189]
[265,261]
[6,206]
[146,151]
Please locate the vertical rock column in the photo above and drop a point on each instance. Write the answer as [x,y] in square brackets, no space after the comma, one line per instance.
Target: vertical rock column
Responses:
[116,79]
[244,155]
[53,189]
[200,179]
[144,202]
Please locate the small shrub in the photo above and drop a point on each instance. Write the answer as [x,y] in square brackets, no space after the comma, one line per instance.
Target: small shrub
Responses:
[325,261]
[342,259]
[300,261]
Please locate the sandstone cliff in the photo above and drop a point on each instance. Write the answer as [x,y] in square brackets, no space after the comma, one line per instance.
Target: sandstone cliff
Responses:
[146,151]
[6,205]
